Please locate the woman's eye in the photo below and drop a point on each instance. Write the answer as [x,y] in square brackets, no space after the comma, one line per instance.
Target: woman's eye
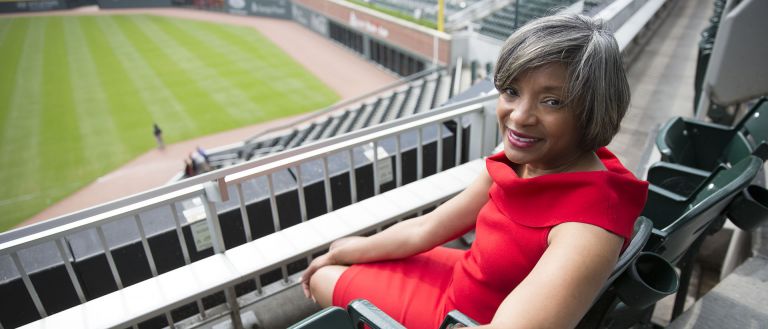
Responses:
[553,102]
[510,91]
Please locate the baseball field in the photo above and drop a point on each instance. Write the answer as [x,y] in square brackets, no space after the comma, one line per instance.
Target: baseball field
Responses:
[79,95]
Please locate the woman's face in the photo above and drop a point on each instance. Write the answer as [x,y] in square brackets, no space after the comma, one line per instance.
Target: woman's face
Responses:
[538,130]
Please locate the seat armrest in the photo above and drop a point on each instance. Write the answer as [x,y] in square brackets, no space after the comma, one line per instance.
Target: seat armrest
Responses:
[456,319]
[761,151]
[363,311]
[676,178]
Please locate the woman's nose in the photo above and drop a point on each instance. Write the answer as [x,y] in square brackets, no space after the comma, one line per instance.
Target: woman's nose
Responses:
[523,113]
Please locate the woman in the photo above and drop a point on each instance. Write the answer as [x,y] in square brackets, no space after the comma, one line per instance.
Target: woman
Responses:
[552,213]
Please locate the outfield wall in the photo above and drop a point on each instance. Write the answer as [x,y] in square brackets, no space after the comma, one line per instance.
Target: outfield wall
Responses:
[269,8]
[111,4]
[14,6]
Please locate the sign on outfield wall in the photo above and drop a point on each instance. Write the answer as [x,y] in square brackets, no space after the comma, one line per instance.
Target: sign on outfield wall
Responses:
[269,8]
[311,20]
[417,39]
[31,5]
[133,3]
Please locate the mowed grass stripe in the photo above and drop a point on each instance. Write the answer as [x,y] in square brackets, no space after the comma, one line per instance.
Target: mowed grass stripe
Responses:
[127,115]
[231,53]
[13,31]
[5,24]
[195,101]
[227,59]
[103,139]
[57,119]
[234,53]
[162,106]
[200,63]
[19,147]
[310,92]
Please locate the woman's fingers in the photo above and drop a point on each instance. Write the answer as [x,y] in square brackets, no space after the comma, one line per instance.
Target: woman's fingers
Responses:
[311,269]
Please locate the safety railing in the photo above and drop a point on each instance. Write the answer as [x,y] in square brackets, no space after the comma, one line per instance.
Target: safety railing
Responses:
[474,135]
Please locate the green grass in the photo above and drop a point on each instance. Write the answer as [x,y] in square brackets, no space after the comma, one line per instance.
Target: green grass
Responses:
[78,95]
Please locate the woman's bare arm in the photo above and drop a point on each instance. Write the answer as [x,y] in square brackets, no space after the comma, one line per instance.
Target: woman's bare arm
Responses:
[561,287]
[416,235]
[409,237]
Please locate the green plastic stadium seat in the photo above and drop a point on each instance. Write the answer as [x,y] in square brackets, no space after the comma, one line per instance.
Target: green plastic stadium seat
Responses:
[679,220]
[704,146]
[359,312]
[684,178]
[331,317]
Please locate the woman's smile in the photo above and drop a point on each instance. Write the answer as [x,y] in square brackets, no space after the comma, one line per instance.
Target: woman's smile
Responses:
[520,140]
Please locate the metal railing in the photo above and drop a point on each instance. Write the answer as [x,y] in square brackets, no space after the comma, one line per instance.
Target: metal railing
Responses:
[214,188]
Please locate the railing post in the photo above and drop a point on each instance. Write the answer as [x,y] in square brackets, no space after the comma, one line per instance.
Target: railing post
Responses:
[212,218]
[234,307]
[490,127]
[476,125]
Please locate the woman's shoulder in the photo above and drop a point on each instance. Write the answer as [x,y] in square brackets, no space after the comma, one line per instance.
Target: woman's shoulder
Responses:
[610,198]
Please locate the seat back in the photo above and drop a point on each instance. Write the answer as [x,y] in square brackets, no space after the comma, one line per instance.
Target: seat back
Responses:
[692,143]
[674,144]
[736,150]
[671,239]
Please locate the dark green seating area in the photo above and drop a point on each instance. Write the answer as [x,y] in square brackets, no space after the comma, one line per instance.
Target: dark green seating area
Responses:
[503,22]
[691,150]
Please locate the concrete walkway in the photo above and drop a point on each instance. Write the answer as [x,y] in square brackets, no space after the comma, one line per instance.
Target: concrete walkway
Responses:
[661,79]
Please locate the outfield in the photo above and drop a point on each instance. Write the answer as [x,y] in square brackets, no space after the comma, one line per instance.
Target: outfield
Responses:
[78,95]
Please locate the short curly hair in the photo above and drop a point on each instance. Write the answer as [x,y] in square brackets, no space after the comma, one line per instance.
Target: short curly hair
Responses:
[597,90]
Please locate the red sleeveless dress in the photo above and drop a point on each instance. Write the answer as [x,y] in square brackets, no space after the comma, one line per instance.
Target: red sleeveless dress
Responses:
[510,236]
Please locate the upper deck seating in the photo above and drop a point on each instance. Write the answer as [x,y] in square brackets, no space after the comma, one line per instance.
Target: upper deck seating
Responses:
[413,97]
[503,22]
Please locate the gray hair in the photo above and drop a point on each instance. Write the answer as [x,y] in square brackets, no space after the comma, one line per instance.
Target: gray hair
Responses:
[597,90]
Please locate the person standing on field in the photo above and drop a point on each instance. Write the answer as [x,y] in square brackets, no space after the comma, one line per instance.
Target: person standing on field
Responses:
[158,136]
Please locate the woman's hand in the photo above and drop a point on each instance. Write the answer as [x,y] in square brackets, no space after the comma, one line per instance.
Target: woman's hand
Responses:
[315,265]
[324,260]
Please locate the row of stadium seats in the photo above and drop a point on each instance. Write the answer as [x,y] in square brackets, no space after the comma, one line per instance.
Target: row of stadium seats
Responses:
[503,22]
[409,98]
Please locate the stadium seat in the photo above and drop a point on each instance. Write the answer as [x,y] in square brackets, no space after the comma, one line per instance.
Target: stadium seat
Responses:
[693,162]
[702,145]
[360,311]
[680,222]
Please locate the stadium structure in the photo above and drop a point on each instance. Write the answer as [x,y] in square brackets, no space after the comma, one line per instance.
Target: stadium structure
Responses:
[225,248]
